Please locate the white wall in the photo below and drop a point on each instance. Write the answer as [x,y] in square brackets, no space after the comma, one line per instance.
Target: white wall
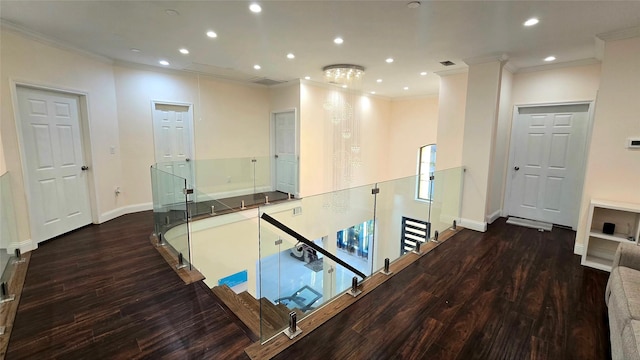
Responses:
[413,124]
[230,121]
[481,113]
[451,114]
[613,170]
[497,175]
[25,60]
[317,140]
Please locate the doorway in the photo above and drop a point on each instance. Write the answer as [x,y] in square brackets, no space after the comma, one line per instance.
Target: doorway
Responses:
[285,147]
[547,162]
[173,143]
[55,170]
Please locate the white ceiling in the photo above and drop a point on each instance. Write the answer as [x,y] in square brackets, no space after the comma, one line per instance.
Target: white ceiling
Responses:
[418,39]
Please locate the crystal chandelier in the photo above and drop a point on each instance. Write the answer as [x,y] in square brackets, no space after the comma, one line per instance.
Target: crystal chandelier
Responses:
[341,108]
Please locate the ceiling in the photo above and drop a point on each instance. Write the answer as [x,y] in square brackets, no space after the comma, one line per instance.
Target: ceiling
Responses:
[418,39]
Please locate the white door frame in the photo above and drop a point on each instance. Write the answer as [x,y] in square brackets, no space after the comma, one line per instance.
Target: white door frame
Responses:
[512,146]
[272,145]
[87,146]
[191,128]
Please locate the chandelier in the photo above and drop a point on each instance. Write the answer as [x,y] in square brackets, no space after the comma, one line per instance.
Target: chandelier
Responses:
[343,74]
[343,113]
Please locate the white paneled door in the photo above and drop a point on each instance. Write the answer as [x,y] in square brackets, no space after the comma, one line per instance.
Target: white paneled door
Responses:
[173,138]
[547,163]
[285,152]
[56,172]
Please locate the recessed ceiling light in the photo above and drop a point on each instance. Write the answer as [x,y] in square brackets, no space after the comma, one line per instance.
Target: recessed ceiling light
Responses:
[212,34]
[373,93]
[338,40]
[531,22]
[171,12]
[379,80]
[290,56]
[550,58]
[423,73]
[255,8]
[184,51]
[389,60]
[307,77]
[413,5]
[257,67]
[406,88]
[344,86]
[163,62]
[135,50]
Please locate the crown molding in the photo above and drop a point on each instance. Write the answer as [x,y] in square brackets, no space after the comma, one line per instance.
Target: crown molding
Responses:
[510,67]
[36,36]
[620,34]
[416,97]
[501,57]
[460,70]
[582,62]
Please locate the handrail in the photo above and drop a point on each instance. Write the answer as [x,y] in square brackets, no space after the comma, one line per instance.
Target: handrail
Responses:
[310,243]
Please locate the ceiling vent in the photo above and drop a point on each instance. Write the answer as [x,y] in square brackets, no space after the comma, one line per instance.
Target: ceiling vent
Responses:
[447,63]
[267,81]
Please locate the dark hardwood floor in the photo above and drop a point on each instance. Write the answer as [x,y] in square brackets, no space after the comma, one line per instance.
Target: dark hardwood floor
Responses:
[103,292]
[510,293]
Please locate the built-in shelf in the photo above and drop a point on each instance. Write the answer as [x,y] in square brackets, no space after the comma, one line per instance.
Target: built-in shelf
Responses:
[599,248]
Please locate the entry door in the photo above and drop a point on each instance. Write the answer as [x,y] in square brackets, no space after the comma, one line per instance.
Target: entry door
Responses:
[285,152]
[55,172]
[547,163]
[173,138]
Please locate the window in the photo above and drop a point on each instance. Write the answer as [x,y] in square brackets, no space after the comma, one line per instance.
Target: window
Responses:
[426,167]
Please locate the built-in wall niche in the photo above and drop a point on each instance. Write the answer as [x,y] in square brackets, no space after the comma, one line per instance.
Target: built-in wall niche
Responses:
[609,224]
[356,240]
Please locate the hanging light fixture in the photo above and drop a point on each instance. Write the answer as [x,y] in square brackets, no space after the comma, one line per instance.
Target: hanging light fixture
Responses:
[341,107]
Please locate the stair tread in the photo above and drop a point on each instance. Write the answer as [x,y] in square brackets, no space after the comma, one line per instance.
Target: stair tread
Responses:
[239,307]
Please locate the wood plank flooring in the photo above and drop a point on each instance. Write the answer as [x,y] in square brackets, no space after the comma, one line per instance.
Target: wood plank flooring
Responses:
[104,292]
[510,293]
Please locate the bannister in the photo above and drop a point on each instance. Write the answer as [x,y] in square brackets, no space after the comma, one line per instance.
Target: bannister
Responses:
[310,243]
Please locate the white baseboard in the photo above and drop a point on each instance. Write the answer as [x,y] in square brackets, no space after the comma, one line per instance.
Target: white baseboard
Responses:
[578,249]
[110,215]
[239,192]
[473,225]
[493,216]
[24,246]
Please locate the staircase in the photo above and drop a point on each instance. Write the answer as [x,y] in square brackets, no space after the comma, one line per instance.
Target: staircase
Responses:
[275,318]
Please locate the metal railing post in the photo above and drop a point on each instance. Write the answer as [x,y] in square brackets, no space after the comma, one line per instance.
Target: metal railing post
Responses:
[293,330]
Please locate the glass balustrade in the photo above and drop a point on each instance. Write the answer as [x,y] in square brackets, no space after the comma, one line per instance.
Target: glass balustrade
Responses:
[171,212]
[446,198]
[293,255]
[8,230]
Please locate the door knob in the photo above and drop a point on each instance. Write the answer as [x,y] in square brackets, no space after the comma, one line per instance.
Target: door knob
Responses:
[516,168]
[84,168]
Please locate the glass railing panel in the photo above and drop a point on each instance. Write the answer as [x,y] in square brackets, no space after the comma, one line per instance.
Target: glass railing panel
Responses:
[170,212]
[402,219]
[228,178]
[8,230]
[446,198]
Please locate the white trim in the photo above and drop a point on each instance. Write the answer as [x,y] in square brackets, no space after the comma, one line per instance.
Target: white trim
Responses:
[84,122]
[24,246]
[494,216]
[516,109]
[578,249]
[498,57]
[620,34]
[272,147]
[239,192]
[456,71]
[473,225]
[129,209]
[41,38]
[558,65]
